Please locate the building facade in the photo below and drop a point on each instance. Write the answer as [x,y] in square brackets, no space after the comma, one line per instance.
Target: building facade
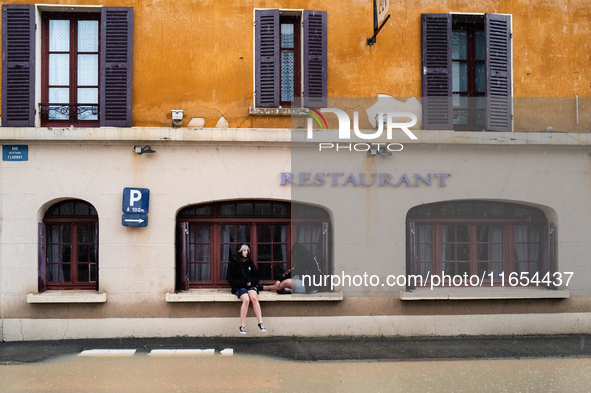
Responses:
[231,117]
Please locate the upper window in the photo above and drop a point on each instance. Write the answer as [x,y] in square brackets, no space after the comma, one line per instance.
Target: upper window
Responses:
[290,58]
[70,69]
[209,236]
[86,67]
[466,72]
[488,239]
[68,247]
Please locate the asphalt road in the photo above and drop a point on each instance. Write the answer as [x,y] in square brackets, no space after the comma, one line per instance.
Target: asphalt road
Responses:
[323,349]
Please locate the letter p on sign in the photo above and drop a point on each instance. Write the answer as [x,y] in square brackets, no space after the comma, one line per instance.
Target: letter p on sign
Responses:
[136,200]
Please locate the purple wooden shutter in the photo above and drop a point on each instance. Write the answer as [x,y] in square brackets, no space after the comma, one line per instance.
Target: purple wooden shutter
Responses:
[498,72]
[315,59]
[116,66]
[182,267]
[18,65]
[411,252]
[267,67]
[549,263]
[42,256]
[96,245]
[436,71]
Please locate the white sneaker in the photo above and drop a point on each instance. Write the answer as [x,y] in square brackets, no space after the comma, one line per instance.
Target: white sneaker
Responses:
[262,327]
[242,330]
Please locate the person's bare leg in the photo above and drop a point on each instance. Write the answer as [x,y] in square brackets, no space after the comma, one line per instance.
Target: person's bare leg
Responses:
[255,305]
[273,287]
[244,308]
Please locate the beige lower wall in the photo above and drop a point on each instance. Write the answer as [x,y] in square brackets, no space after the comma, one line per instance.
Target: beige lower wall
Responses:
[137,266]
[502,324]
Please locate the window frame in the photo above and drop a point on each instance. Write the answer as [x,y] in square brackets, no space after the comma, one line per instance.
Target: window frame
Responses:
[312,78]
[509,220]
[74,221]
[215,220]
[294,20]
[73,86]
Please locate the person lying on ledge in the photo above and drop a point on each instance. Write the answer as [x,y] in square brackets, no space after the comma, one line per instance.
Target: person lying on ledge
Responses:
[307,264]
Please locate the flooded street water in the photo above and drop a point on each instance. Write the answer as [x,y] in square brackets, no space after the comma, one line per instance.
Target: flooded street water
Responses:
[144,373]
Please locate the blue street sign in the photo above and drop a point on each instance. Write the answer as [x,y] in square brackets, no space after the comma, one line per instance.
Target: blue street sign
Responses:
[134,220]
[15,153]
[136,200]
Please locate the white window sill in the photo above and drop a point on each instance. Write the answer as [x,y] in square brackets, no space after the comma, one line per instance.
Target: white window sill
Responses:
[224,295]
[277,111]
[501,293]
[67,297]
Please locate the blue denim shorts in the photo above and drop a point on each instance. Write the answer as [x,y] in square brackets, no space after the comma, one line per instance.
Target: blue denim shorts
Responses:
[242,291]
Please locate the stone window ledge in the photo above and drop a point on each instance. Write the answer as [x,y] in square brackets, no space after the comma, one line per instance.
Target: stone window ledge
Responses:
[67,297]
[277,111]
[224,295]
[483,294]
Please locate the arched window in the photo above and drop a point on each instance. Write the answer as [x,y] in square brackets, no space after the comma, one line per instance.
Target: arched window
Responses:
[209,235]
[488,239]
[68,246]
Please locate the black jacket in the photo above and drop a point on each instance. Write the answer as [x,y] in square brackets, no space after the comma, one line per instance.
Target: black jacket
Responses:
[241,273]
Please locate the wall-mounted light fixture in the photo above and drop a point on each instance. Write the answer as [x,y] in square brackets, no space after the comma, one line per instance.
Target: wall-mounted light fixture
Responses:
[142,150]
[177,117]
[374,151]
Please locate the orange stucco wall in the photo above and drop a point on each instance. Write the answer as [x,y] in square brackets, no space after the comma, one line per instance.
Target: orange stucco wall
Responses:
[197,55]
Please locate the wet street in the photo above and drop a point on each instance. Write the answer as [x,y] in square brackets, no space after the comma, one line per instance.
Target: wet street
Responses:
[209,372]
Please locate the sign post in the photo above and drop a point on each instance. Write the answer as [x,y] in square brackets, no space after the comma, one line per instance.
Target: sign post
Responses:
[136,205]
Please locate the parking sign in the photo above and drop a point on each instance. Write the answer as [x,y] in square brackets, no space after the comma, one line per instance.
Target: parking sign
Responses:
[136,200]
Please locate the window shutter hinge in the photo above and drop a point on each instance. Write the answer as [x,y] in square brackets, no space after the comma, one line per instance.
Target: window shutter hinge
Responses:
[35,26]
[510,35]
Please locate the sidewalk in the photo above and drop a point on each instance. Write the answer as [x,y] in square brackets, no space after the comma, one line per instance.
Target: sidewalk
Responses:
[322,349]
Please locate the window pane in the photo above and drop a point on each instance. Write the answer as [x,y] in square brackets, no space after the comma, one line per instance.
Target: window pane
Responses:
[202,234]
[59,35]
[265,271]
[92,255]
[534,252]
[464,209]
[482,269]
[67,209]
[459,45]
[92,272]
[191,253]
[534,234]
[280,233]
[227,210]
[59,69]
[304,233]
[463,252]
[203,254]
[83,234]
[462,268]
[448,269]
[287,75]
[65,273]
[448,252]
[264,251]
[262,209]
[480,78]
[463,234]
[244,209]
[88,36]
[83,253]
[521,252]
[459,76]
[87,71]
[53,254]
[447,233]
[481,210]
[480,45]
[226,252]
[81,209]
[498,252]
[83,275]
[425,234]
[88,96]
[425,252]
[223,271]
[53,272]
[482,233]
[279,210]
[243,234]
[482,251]
[66,229]
[264,233]
[448,210]
[202,272]
[287,35]
[58,96]
[279,252]
[65,253]
[425,270]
